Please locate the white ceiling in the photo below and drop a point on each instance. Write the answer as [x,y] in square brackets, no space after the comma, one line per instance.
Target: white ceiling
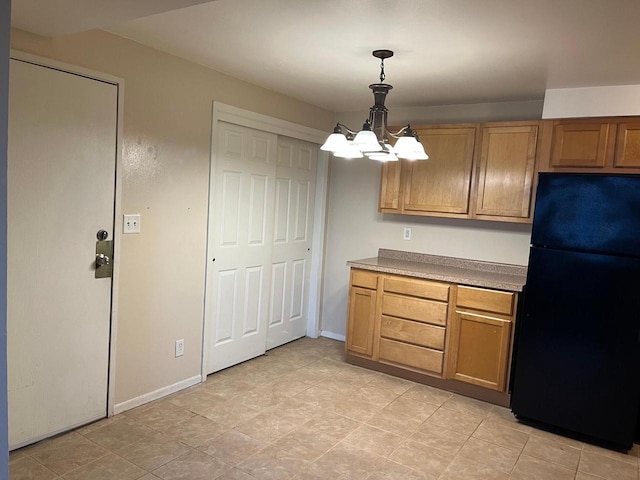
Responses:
[446,51]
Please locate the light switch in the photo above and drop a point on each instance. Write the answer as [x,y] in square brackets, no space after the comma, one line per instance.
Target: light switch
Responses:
[131,223]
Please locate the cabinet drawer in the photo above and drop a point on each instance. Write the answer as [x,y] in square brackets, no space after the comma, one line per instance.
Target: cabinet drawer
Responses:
[365,279]
[487,300]
[417,309]
[417,288]
[405,354]
[413,332]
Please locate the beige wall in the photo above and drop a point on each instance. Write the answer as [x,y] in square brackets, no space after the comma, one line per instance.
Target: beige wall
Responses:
[166,144]
[355,229]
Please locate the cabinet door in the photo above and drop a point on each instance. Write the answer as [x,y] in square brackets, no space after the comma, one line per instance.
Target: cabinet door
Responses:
[505,173]
[390,187]
[361,321]
[628,146]
[479,350]
[580,145]
[441,184]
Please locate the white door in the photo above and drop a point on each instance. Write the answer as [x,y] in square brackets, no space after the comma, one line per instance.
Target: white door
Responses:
[291,256]
[239,272]
[61,177]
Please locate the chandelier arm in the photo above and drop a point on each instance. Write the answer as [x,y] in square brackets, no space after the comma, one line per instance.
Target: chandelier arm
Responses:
[349,131]
[399,133]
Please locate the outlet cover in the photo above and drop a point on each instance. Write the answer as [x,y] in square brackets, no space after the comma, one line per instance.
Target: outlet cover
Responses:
[131,223]
[179,347]
[406,234]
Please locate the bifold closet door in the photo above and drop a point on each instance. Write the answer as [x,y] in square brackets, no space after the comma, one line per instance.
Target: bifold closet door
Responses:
[292,236]
[241,230]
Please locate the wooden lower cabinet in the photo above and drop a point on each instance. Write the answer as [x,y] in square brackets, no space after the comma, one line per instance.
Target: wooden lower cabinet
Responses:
[446,334]
[480,335]
[362,314]
[479,349]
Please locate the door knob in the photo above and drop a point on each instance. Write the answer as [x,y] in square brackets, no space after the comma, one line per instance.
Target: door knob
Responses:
[101,259]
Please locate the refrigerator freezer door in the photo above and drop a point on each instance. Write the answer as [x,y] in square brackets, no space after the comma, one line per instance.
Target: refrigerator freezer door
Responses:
[578,357]
[589,213]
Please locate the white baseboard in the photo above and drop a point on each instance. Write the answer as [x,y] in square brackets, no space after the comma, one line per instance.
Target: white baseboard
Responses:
[333,336]
[156,394]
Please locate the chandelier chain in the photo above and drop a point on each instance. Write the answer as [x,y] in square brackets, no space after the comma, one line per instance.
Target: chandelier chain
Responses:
[382,75]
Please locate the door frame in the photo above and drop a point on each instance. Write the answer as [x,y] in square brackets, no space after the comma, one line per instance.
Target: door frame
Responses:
[227,113]
[117,210]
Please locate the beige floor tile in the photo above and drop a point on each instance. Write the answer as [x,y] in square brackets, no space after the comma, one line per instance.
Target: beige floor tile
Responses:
[411,408]
[373,440]
[586,476]
[119,434]
[149,476]
[394,422]
[375,395]
[231,414]
[27,468]
[273,464]
[267,427]
[462,468]
[356,409]
[467,405]
[319,397]
[288,385]
[260,398]
[196,431]
[556,438]
[629,457]
[495,456]
[153,451]
[295,411]
[66,453]
[162,416]
[327,366]
[340,385]
[390,470]
[456,421]
[395,385]
[233,447]
[357,375]
[342,462]
[501,434]
[531,468]
[306,443]
[504,416]
[192,466]
[552,451]
[333,425]
[420,457]
[439,438]
[197,400]
[108,467]
[235,474]
[426,394]
[227,387]
[607,467]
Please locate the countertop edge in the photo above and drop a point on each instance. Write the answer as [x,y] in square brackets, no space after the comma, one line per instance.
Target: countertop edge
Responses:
[463,276]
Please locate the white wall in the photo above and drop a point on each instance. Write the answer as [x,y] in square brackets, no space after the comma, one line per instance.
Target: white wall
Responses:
[613,101]
[356,230]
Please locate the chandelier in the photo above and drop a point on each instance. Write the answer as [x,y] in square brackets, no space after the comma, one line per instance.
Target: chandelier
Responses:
[373,140]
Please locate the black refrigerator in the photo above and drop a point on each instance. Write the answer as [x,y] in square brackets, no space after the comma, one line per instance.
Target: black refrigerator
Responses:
[577,348]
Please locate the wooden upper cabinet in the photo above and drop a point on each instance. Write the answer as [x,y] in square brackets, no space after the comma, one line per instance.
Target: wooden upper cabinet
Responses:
[506,170]
[627,153]
[390,187]
[440,184]
[582,145]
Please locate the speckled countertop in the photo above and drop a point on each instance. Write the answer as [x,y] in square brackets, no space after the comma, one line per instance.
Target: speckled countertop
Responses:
[500,276]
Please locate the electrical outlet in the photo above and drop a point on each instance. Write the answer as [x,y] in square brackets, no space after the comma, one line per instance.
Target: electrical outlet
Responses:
[179,347]
[131,223]
[406,234]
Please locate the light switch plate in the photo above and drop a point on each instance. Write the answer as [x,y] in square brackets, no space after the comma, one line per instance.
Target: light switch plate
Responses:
[131,223]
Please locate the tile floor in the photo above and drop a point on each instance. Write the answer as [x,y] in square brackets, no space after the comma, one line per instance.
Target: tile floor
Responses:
[302,413]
